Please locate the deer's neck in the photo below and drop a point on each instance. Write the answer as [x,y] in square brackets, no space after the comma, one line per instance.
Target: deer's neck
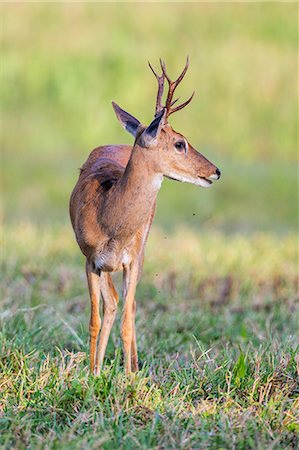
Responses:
[129,204]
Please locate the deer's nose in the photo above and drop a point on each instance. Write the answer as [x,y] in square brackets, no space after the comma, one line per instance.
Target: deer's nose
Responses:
[216,175]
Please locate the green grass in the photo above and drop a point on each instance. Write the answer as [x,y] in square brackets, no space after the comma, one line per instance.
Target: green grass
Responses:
[217,306]
[216,324]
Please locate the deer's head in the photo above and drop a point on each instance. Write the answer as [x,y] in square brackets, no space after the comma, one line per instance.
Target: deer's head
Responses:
[167,151]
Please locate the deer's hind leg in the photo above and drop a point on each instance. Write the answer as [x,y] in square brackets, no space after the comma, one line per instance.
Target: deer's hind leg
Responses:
[110,301]
[94,283]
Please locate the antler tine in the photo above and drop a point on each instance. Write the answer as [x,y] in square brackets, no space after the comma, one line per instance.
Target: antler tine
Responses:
[179,79]
[163,67]
[152,69]
[171,86]
[172,110]
[160,80]
[174,101]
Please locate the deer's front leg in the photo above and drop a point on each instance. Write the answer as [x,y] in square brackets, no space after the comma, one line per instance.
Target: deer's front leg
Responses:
[128,326]
[93,280]
[134,354]
[110,300]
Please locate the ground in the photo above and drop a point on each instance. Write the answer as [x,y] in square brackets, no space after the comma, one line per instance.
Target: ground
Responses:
[216,327]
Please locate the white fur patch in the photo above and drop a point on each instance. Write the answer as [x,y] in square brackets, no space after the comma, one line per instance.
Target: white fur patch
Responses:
[125,258]
[157,181]
[213,177]
[99,261]
[186,145]
[197,181]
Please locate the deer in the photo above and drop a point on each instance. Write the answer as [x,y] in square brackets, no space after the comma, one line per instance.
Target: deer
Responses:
[113,205]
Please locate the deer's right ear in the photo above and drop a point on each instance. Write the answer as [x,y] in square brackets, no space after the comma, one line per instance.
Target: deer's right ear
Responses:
[128,122]
[149,136]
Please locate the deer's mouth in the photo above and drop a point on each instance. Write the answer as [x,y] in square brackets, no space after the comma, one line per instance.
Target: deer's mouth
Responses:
[205,182]
[199,181]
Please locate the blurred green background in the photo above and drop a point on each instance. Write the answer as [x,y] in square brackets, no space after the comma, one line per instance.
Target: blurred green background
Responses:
[62,64]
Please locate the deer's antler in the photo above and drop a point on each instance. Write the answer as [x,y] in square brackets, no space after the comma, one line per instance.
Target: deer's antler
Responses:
[160,80]
[172,85]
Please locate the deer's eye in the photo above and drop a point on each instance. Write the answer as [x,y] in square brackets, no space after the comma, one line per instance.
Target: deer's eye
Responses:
[180,146]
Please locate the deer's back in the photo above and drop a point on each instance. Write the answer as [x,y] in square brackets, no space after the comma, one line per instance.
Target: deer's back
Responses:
[117,154]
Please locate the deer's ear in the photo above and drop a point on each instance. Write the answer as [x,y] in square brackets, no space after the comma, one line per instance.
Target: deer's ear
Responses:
[150,134]
[128,122]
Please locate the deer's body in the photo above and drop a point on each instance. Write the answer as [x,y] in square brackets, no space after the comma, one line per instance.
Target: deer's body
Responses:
[108,234]
[112,207]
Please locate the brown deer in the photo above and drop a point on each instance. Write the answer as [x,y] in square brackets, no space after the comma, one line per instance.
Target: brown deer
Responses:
[112,208]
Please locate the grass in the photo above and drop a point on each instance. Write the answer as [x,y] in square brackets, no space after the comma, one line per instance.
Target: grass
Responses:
[218,350]
[217,317]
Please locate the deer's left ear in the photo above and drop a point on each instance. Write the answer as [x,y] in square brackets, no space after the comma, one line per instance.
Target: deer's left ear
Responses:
[151,133]
[128,122]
